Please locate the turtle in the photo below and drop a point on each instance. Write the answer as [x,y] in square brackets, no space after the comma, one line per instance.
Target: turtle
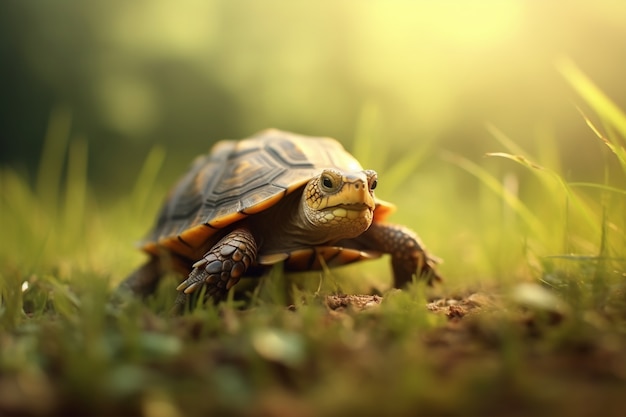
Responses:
[274,197]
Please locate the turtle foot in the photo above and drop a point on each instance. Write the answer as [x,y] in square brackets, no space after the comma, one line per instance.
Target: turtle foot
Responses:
[222,267]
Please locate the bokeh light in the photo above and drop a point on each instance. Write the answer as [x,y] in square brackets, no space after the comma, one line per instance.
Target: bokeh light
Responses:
[185,74]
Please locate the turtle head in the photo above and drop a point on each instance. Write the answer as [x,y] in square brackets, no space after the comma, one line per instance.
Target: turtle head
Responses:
[339,204]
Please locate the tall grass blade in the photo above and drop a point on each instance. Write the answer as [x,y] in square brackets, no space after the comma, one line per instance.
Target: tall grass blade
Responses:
[15,196]
[366,135]
[76,189]
[505,141]
[147,178]
[23,220]
[617,149]
[403,169]
[584,209]
[10,302]
[496,186]
[369,148]
[595,97]
[53,157]
[602,187]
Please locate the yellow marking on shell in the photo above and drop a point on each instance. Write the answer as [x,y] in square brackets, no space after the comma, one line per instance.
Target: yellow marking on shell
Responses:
[173,244]
[296,185]
[151,248]
[223,221]
[264,205]
[196,236]
[241,167]
[224,147]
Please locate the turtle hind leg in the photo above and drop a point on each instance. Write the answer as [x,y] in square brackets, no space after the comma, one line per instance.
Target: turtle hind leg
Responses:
[408,255]
[221,267]
[144,280]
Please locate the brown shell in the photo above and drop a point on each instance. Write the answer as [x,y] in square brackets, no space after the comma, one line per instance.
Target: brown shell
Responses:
[239,179]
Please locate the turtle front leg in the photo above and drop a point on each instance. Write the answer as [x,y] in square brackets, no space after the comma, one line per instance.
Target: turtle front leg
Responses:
[222,267]
[408,254]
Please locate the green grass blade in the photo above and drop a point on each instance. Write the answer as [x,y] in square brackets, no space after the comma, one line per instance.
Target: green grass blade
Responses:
[53,157]
[505,141]
[147,178]
[585,210]
[364,146]
[496,186]
[617,149]
[602,187]
[401,170]
[76,189]
[595,97]
[368,150]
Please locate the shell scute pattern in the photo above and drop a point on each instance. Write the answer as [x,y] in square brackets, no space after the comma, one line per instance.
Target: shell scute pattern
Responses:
[237,179]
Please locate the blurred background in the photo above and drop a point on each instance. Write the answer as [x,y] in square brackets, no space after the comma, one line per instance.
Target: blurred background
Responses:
[410,76]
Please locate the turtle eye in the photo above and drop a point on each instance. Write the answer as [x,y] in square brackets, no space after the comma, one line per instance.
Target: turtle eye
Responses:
[372,178]
[330,181]
[327,182]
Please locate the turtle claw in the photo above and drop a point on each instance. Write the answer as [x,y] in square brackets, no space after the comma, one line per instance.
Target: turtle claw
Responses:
[200,263]
[231,283]
[191,288]
[220,269]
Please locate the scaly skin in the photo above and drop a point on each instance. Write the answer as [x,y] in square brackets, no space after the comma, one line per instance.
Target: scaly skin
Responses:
[222,267]
[408,254]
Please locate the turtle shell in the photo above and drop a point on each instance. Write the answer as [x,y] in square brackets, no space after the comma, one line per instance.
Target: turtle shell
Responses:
[241,178]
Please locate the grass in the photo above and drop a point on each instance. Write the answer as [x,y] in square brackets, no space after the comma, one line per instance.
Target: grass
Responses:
[545,332]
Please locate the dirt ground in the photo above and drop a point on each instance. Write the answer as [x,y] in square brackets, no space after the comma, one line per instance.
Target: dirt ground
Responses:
[562,365]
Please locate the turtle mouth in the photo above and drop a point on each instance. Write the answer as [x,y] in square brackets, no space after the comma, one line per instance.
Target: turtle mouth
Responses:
[353,206]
